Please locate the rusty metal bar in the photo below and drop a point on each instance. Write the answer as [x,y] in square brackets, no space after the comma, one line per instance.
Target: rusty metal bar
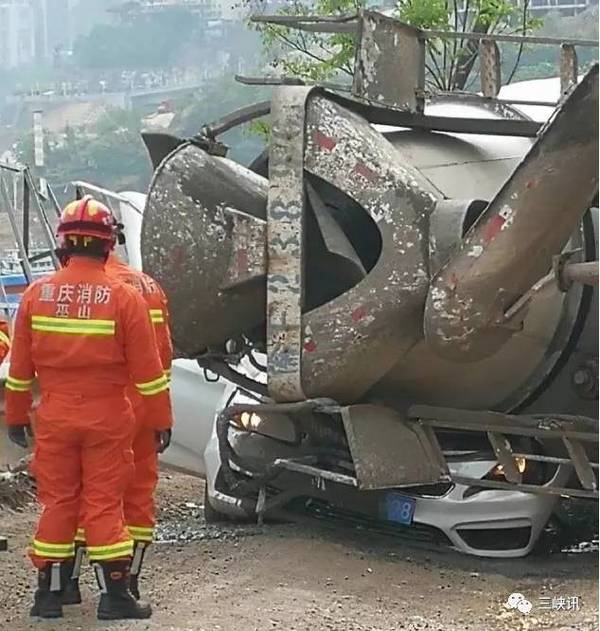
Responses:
[15,168]
[339,87]
[54,201]
[490,73]
[299,467]
[568,67]
[584,471]
[550,459]
[503,451]
[387,116]
[390,63]
[528,296]
[239,116]
[497,426]
[15,229]
[292,20]
[468,96]
[525,488]
[81,187]
[517,431]
[26,208]
[43,219]
[349,24]
[585,273]
[515,39]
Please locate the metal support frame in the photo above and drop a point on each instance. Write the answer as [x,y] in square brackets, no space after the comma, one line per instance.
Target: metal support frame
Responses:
[568,67]
[390,60]
[42,216]
[382,115]
[22,232]
[10,211]
[390,63]
[490,71]
[388,85]
[349,24]
[568,441]
[26,194]
[575,433]
[307,467]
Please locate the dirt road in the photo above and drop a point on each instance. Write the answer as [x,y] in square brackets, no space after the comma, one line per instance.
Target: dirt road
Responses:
[297,579]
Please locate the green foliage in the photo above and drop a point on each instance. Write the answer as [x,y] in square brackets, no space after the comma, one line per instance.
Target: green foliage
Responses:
[112,155]
[153,43]
[539,62]
[260,128]
[432,14]
[312,56]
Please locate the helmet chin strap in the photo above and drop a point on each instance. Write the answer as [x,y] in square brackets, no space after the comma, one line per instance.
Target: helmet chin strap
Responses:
[64,252]
[120,234]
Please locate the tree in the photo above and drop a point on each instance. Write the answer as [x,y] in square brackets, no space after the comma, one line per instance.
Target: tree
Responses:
[155,42]
[312,56]
[541,61]
[111,154]
[449,63]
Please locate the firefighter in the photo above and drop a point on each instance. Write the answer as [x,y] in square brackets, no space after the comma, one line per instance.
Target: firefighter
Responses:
[85,336]
[138,502]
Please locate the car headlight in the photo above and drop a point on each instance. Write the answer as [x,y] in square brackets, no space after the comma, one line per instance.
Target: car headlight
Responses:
[498,470]
[249,421]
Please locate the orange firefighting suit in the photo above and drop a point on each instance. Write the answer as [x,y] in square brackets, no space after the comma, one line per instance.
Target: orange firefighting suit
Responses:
[138,501]
[86,336]
[4,340]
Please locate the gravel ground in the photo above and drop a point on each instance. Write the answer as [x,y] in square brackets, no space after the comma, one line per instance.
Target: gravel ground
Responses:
[203,577]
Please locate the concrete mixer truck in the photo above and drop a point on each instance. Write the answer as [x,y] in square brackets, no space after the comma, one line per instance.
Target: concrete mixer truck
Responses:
[411,275]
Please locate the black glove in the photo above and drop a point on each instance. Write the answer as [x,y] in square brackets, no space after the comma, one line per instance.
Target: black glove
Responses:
[163,439]
[20,435]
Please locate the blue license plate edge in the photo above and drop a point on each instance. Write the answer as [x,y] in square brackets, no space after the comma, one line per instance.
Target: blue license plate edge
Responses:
[399,508]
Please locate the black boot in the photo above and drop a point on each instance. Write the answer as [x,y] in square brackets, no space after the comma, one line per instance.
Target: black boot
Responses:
[70,594]
[116,601]
[139,550]
[46,600]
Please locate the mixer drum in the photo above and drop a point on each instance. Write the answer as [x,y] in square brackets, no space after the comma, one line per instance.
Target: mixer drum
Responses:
[204,237]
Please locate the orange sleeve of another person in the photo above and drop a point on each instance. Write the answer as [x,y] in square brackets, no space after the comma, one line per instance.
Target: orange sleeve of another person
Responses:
[4,340]
[21,372]
[143,360]
[163,335]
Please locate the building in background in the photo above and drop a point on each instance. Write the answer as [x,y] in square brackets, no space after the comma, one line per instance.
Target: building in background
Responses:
[54,27]
[17,33]
[34,30]
[564,7]
[201,9]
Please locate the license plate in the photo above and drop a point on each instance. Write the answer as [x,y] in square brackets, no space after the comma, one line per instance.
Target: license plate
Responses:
[399,508]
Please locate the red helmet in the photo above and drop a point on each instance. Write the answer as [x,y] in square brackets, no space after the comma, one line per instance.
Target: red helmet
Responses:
[88,217]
